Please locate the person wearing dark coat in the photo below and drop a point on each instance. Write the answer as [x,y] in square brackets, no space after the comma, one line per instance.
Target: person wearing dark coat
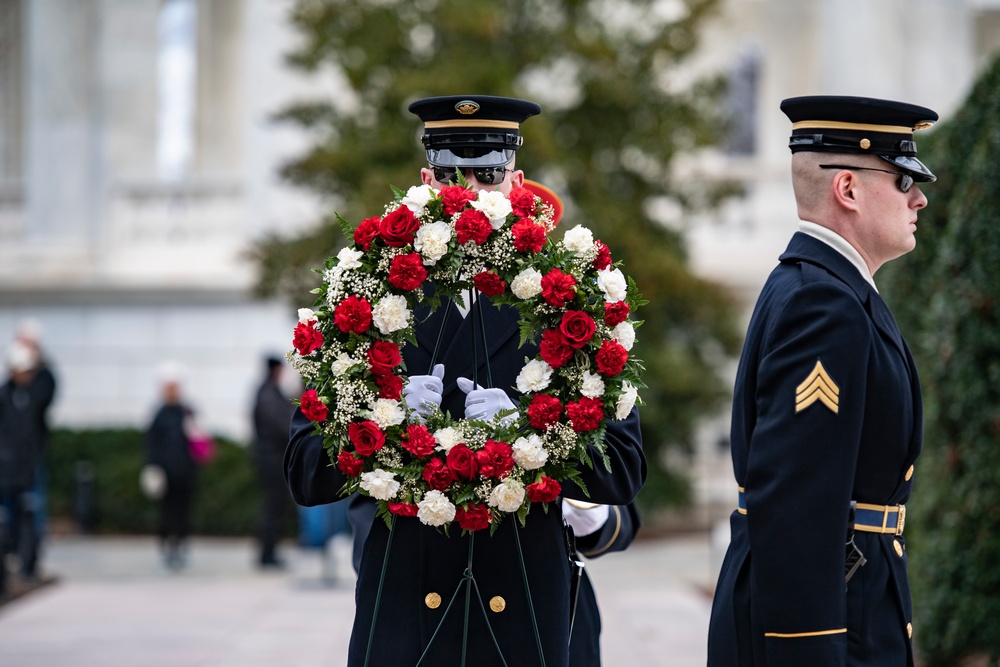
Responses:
[272,411]
[166,445]
[827,417]
[403,593]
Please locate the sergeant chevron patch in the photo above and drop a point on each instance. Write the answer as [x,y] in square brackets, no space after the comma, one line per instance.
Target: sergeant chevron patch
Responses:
[818,386]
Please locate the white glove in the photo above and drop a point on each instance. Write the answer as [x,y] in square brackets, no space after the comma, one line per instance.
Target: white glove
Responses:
[485,403]
[422,393]
[584,518]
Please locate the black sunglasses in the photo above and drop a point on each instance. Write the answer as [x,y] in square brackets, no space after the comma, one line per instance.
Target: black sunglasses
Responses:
[904,182]
[485,175]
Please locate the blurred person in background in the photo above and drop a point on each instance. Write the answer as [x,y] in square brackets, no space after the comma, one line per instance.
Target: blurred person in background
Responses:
[167,446]
[272,412]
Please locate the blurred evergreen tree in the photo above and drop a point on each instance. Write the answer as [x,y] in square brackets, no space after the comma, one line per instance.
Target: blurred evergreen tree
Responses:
[615,114]
[947,292]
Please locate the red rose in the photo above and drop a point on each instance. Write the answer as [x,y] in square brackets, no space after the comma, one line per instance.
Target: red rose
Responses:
[366,437]
[554,349]
[489,283]
[437,474]
[585,414]
[616,313]
[312,407]
[577,327]
[603,259]
[544,490]
[558,288]
[495,459]
[366,232]
[307,338]
[389,386]
[462,462]
[353,314]
[472,225]
[611,358]
[528,236]
[522,201]
[475,517]
[544,410]
[399,228]
[383,356]
[454,198]
[403,509]
[407,272]
[418,440]
[349,464]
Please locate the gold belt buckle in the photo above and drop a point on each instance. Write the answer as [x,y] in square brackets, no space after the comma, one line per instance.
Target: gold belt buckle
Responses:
[900,520]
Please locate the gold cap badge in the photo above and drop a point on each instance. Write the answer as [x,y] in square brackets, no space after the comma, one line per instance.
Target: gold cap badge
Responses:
[467,107]
[818,386]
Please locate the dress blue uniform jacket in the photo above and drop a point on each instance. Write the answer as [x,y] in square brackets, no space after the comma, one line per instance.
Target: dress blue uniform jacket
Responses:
[422,560]
[781,598]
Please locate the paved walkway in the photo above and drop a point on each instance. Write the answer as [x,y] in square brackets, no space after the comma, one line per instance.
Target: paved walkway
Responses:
[114,605]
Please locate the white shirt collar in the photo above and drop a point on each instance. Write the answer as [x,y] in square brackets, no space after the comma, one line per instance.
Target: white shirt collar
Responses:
[841,245]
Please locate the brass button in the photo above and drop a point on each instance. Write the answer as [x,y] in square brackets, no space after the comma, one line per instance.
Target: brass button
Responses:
[909,474]
[898,547]
[432,600]
[497,604]
[909,629]
[865,144]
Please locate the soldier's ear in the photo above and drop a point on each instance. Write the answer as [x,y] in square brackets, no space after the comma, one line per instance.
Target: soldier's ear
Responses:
[845,189]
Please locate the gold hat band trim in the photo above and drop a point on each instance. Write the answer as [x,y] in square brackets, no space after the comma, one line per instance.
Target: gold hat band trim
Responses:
[468,122]
[795,635]
[839,125]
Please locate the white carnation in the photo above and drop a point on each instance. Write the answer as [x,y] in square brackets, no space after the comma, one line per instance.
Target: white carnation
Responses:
[432,241]
[593,385]
[579,239]
[494,205]
[349,259]
[612,283]
[435,509]
[526,284]
[508,496]
[306,315]
[534,377]
[386,412]
[447,438]
[417,197]
[529,453]
[626,400]
[342,363]
[624,333]
[391,314]
[379,484]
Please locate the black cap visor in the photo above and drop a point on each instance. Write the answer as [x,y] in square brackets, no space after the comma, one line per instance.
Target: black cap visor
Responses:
[911,166]
[469,157]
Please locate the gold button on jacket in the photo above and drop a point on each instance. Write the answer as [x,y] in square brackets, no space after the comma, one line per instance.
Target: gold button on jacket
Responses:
[497,604]
[432,600]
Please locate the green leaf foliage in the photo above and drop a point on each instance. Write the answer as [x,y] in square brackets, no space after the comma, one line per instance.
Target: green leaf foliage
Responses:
[946,295]
[605,144]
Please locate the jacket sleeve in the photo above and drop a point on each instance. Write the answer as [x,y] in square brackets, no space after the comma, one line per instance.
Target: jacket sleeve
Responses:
[810,398]
[616,534]
[311,477]
[623,446]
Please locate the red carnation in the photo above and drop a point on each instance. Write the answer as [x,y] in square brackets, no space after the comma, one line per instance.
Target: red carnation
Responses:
[399,228]
[544,410]
[528,236]
[437,474]
[474,517]
[522,201]
[312,407]
[554,349]
[544,490]
[307,338]
[472,225]
[353,314]
[366,437]
[615,313]
[585,414]
[489,283]
[495,459]
[462,461]
[454,198]
[611,358]
[383,356]
[349,464]
[403,509]
[558,288]
[389,386]
[603,259]
[418,440]
[407,272]
[577,327]
[366,232]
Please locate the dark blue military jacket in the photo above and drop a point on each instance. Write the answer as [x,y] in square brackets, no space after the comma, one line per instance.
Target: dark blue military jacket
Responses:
[423,561]
[801,457]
